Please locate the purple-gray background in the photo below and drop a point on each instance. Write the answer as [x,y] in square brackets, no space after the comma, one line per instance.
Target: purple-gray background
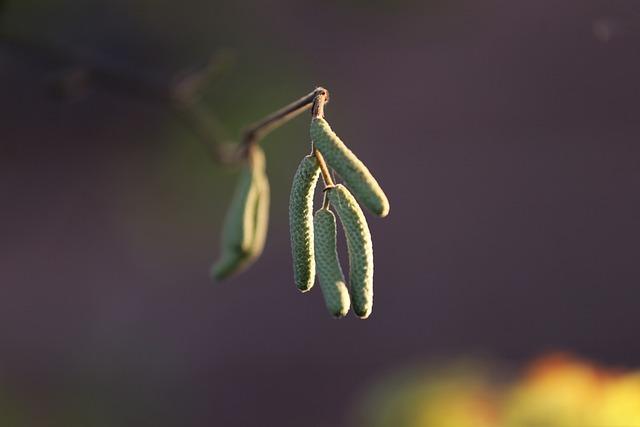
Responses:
[505,134]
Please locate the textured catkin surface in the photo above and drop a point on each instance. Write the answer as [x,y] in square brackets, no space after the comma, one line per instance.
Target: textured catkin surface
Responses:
[301,222]
[332,283]
[246,222]
[360,248]
[354,173]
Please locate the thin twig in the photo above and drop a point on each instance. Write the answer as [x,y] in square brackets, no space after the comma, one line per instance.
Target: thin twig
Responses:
[326,175]
[255,132]
[188,85]
[319,100]
[317,112]
[99,70]
[178,95]
[197,117]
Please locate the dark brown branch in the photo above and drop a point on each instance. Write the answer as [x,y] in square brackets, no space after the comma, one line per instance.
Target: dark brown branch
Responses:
[260,129]
[179,95]
[204,124]
[100,71]
[317,112]
[187,87]
[319,101]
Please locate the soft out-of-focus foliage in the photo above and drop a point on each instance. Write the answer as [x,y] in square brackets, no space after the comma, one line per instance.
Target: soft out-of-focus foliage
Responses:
[554,391]
[564,392]
[453,395]
[10,412]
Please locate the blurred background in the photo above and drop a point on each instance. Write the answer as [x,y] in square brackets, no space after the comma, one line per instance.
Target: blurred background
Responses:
[505,134]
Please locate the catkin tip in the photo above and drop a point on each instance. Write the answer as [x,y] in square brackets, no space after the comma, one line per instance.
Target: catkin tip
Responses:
[357,177]
[384,211]
[363,314]
[304,290]
[221,270]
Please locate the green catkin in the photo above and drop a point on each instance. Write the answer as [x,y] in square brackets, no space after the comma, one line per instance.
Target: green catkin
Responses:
[243,219]
[262,216]
[332,283]
[301,222]
[237,232]
[359,246]
[354,173]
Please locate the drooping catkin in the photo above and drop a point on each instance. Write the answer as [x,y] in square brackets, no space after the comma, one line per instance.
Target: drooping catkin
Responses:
[359,246]
[244,218]
[237,228]
[332,283]
[354,173]
[301,222]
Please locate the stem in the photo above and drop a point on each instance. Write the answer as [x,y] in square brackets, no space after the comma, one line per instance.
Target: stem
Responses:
[326,175]
[204,124]
[255,132]
[319,100]
[180,95]
[317,112]
[325,199]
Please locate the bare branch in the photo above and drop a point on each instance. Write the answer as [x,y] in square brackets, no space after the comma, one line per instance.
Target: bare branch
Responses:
[260,129]
[180,95]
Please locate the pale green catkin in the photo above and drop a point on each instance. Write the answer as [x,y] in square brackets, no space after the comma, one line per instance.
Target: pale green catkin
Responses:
[301,222]
[238,228]
[244,220]
[354,173]
[262,216]
[332,283]
[360,248]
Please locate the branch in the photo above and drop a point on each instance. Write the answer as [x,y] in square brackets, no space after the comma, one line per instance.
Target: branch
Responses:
[317,112]
[180,95]
[255,132]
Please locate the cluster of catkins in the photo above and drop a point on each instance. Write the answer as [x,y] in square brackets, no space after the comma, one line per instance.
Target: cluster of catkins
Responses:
[313,237]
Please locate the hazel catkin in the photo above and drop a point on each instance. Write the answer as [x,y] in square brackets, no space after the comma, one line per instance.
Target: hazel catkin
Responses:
[359,246]
[332,283]
[247,213]
[354,173]
[301,222]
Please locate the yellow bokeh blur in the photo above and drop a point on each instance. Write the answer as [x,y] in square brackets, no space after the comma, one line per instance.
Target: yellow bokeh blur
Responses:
[554,391]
